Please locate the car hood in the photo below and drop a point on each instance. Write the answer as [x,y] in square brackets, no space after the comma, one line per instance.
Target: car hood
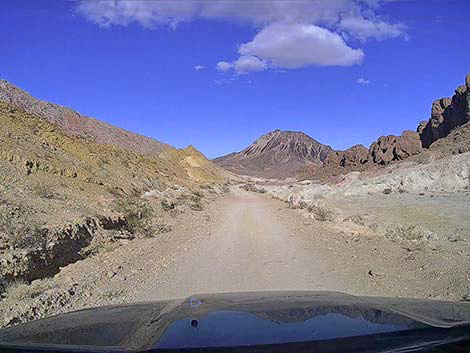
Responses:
[240,320]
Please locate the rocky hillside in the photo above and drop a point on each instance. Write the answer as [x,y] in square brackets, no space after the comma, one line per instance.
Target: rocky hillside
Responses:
[447,132]
[65,193]
[74,123]
[446,115]
[278,154]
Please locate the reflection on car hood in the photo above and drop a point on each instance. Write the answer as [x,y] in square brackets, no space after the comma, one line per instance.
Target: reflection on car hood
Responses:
[245,320]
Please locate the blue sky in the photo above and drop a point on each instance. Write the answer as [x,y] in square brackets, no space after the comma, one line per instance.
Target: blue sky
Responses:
[290,65]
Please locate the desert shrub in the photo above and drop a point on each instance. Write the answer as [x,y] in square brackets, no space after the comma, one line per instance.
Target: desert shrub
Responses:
[115,191]
[17,290]
[357,219]
[20,290]
[102,161]
[167,205]
[253,188]
[44,191]
[411,233]
[196,206]
[321,213]
[195,198]
[198,194]
[22,235]
[136,213]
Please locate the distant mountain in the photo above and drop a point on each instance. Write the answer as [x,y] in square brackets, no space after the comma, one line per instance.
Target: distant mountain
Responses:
[278,154]
[74,123]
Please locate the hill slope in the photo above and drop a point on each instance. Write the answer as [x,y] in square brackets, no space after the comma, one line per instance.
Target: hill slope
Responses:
[278,154]
[74,123]
[65,193]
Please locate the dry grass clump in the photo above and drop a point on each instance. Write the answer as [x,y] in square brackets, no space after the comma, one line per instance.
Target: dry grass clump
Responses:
[410,233]
[196,205]
[20,290]
[226,188]
[253,188]
[321,213]
[44,191]
[21,234]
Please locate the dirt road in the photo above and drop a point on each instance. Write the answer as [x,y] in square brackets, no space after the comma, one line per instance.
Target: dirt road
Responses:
[250,249]
[243,242]
[247,241]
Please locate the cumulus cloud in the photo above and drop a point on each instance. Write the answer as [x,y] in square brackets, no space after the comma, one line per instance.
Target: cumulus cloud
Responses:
[291,46]
[363,81]
[363,29]
[198,67]
[291,34]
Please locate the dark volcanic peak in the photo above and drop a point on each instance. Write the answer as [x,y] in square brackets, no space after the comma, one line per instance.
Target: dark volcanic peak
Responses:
[72,122]
[277,154]
[288,145]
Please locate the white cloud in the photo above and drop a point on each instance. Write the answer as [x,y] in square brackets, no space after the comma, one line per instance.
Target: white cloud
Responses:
[291,34]
[243,65]
[151,12]
[223,66]
[363,29]
[198,67]
[363,81]
[248,63]
[291,46]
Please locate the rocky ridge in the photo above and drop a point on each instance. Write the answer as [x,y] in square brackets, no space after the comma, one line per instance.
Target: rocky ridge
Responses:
[74,123]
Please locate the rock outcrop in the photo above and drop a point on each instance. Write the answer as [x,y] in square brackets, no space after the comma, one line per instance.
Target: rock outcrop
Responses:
[446,115]
[356,155]
[391,148]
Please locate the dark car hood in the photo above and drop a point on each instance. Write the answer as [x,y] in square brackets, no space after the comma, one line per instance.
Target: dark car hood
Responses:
[241,320]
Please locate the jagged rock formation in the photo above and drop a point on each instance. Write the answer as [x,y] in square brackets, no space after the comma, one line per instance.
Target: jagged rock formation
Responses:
[278,154]
[446,115]
[356,155]
[456,142]
[391,148]
[74,123]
